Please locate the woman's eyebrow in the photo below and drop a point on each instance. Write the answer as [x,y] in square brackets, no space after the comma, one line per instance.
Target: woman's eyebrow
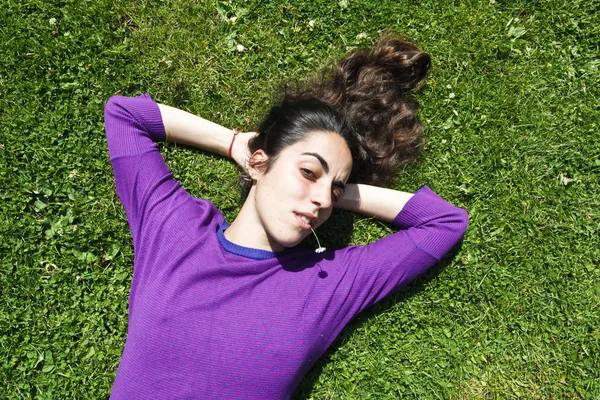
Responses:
[325,166]
[321,160]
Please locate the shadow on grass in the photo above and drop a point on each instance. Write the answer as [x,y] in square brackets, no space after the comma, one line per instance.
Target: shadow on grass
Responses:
[303,391]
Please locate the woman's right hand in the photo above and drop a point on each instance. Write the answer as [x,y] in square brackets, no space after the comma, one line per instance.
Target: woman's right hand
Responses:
[240,152]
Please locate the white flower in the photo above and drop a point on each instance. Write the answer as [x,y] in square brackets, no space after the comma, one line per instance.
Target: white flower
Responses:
[233,19]
[452,95]
[361,36]
[166,62]
[311,23]
[240,48]
[319,249]
[444,141]
[564,179]
[52,21]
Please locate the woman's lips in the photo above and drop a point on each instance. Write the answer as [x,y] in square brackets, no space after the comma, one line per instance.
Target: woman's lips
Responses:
[302,222]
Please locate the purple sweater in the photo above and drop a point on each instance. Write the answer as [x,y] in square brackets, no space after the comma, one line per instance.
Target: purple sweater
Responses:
[215,320]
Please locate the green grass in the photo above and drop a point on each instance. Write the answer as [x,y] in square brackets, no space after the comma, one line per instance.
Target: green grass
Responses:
[512,115]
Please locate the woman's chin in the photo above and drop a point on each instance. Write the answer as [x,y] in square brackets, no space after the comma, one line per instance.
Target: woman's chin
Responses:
[289,242]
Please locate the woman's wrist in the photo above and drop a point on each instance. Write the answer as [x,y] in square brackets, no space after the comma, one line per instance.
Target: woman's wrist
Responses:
[381,203]
[350,199]
[191,130]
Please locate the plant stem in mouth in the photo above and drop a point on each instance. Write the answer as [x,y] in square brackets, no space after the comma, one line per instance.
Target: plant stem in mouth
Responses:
[320,249]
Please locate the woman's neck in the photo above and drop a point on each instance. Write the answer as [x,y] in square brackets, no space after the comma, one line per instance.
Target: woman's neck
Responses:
[247,230]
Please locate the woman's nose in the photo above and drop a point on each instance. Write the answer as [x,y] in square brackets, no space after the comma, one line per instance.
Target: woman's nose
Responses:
[321,196]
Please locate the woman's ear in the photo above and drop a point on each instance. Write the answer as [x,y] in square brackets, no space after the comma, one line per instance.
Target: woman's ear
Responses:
[258,164]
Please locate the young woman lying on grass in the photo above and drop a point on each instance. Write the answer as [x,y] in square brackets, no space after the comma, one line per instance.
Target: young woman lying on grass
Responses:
[228,311]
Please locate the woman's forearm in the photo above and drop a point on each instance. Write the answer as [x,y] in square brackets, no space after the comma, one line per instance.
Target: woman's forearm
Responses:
[381,203]
[190,130]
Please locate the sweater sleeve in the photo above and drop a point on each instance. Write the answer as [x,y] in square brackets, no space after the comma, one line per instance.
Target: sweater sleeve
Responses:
[144,183]
[133,125]
[430,227]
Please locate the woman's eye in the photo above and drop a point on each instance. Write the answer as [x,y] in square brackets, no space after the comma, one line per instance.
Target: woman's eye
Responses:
[308,173]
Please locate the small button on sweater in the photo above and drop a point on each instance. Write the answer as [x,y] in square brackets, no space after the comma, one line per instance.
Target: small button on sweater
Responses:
[214,320]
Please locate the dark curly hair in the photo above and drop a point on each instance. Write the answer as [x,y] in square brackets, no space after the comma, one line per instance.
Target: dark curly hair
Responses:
[366,98]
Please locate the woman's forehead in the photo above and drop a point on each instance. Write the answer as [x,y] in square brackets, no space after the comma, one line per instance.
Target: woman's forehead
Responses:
[329,149]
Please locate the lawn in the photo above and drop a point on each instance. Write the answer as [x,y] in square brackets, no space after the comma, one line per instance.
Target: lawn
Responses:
[512,116]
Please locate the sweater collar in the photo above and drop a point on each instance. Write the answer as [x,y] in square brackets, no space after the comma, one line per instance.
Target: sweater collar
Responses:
[256,254]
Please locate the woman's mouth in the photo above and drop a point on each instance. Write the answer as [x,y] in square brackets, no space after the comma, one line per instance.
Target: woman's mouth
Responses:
[303,221]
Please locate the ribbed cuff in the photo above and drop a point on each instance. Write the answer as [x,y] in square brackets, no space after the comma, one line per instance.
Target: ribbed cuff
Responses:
[148,114]
[447,222]
[419,209]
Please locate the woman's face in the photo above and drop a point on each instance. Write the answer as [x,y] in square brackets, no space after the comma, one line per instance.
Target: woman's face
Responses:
[299,190]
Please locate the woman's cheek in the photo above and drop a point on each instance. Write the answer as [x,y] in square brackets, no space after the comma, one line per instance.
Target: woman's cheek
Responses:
[299,187]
